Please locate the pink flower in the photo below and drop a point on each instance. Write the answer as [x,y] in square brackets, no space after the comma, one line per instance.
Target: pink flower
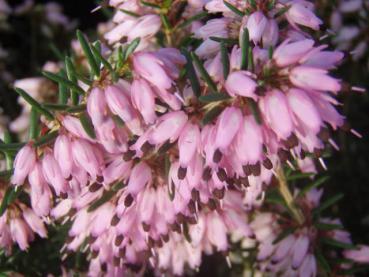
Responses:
[20,233]
[119,103]
[52,173]
[139,178]
[256,24]
[304,110]
[228,124]
[240,83]
[149,67]
[360,255]
[270,34]
[169,127]
[289,53]
[24,162]
[63,155]
[87,157]
[300,14]
[188,143]
[276,112]
[96,106]
[311,78]
[34,222]
[143,99]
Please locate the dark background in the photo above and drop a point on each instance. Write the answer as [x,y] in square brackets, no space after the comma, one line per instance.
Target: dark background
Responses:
[348,168]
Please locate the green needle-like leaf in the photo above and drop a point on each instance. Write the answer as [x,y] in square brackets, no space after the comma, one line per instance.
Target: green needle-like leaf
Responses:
[245,45]
[213,97]
[87,125]
[204,74]
[33,126]
[61,80]
[233,9]
[191,74]
[225,60]
[88,53]
[37,106]
[106,64]
[191,19]
[131,48]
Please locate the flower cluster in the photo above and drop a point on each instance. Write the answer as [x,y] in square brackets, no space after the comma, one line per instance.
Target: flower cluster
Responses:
[163,152]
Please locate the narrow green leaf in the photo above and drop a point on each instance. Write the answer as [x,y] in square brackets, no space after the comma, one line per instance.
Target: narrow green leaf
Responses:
[10,195]
[322,262]
[6,174]
[326,204]
[230,41]
[63,92]
[233,9]
[46,139]
[253,3]
[57,53]
[338,244]
[151,5]
[56,107]
[211,115]
[76,109]
[131,48]
[106,64]
[328,227]
[213,97]
[204,74]
[299,176]
[88,53]
[107,195]
[251,60]
[33,126]
[63,81]
[97,46]
[270,52]
[71,73]
[313,185]
[87,125]
[283,235]
[191,74]
[37,106]
[129,13]
[254,110]
[8,156]
[225,60]
[282,11]
[165,21]
[15,146]
[191,19]
[245,45]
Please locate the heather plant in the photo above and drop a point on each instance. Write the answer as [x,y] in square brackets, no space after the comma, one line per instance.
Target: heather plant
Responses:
[186,129]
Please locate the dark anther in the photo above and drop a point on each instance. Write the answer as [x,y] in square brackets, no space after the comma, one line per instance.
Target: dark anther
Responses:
[165,237]
[245,181]
[324,134]
[256,169]
[118,240]
[212,204]
[94,187]
[191,206]
[128,201]
[267,164]
[182,173]
[127,156]
[206,175]
[219,193]
[317,153]
[195,195]
[222,175]
[217,156]
[99,179]
[122,252]
[247,169]
[283,155]
[94,254]
[146,147]
[115,220]
[116,261]
[146,226]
